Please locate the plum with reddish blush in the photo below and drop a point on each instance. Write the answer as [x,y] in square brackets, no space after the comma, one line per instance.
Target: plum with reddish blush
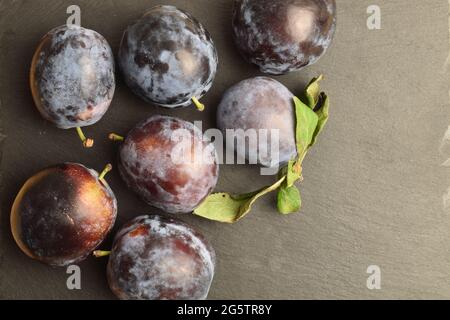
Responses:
[256,104]
[155,258]
[282,36]
[169,164]
[72,77]
[168,58]
[63,213]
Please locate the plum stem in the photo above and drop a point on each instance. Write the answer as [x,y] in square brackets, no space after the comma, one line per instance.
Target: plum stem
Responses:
[200,106]
[100,253]
[87,142]
[115,137]
[107,169]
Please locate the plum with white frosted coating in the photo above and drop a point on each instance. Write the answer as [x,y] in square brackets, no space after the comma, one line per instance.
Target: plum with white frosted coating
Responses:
[156,258]
[169,164]
[62,213]
[72,77]
[168,58]
[255,104]
[281,36]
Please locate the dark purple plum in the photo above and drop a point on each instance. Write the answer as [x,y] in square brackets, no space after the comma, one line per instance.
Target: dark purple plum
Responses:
[155,258]
[255,104]
[72,77]
[169,164]
[168,58]
[62,214]
[282,36]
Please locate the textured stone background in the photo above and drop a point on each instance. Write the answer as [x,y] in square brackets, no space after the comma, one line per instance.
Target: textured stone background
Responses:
[374,190]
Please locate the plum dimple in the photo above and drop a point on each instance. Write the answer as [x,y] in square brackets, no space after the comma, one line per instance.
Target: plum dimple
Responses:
[62,214]
[260,103]
[72,77]
[167,57]
[282,36]
[167,162]
[155,258]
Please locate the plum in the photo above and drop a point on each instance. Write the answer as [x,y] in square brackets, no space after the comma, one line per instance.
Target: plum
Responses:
[168,58]
[169,164]
[255,104]
[63,213]
[72,78]
[155,258]
[282,36]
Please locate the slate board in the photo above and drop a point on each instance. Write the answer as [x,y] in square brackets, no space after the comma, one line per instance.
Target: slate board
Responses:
[374,185]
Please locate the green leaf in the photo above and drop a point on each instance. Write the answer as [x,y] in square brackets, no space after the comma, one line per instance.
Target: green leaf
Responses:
[313,91]
[289,199]
[310,121]
[220,207]
[307,121]
[224,207]
[322,112]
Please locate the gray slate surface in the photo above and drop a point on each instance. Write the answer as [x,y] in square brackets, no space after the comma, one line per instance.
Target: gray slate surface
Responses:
[374,185]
